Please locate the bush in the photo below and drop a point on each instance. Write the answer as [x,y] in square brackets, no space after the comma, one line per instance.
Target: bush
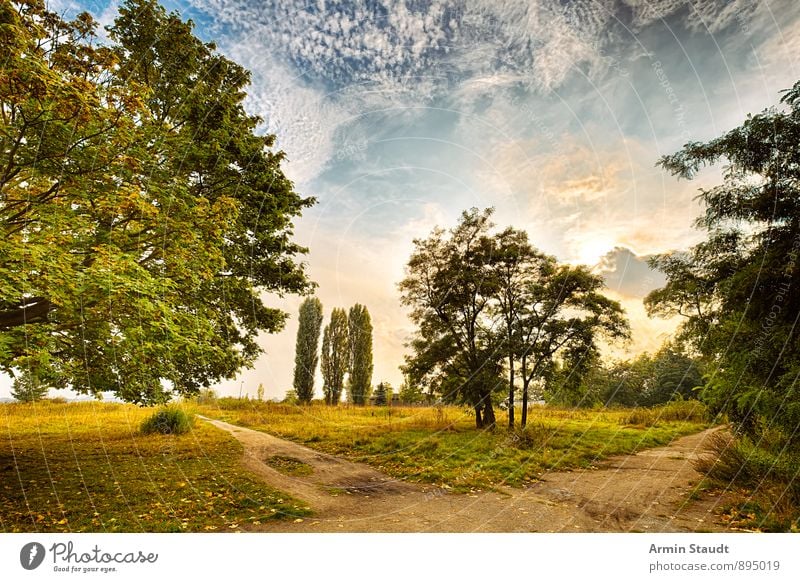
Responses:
[169,420]
[534,436]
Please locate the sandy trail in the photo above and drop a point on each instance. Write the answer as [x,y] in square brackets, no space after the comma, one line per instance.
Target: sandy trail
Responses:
[647,492]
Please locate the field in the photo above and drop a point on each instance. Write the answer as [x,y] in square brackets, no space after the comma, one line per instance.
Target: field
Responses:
[86,467]
[440,445]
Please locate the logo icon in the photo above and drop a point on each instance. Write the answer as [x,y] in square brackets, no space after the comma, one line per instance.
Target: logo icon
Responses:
[31,555]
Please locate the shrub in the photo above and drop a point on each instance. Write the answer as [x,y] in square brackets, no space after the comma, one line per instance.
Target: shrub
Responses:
[533,436]
[169,420]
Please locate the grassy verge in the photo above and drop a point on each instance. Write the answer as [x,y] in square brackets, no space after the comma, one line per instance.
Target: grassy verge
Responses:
[87,467]
[763,478]
[440,445]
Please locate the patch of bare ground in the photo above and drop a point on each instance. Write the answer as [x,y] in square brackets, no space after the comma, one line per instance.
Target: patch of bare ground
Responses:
[652,491]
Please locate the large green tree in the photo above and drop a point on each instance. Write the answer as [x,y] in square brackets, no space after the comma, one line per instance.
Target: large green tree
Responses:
[483,300]
[335,356]
[449,289]
[360,344]
[142,217]
[306,356]
[564,315]
[739,290]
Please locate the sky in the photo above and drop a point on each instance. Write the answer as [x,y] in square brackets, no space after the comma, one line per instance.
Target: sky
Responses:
[399,115]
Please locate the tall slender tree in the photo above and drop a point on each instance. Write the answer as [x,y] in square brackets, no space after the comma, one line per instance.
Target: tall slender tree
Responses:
[335,356]
[449,289]
[306,355]
[512,264]
[360,343]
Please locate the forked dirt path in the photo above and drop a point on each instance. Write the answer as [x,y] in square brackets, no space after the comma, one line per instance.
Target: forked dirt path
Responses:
[646,492]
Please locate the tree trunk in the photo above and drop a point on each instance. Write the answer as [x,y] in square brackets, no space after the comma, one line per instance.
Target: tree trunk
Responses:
[511,390]
[524,419]
[488,413]
[478,418]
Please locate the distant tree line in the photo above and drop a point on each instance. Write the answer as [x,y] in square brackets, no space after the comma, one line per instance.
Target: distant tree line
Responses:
[645,380]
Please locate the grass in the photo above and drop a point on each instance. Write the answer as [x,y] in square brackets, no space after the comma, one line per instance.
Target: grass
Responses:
[440,445]
[87,467]
[763,478]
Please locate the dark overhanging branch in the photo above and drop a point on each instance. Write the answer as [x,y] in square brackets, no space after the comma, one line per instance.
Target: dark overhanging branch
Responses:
[28,310]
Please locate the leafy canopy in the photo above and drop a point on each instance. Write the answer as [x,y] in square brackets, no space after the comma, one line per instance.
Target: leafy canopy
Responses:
[739,289]
[142,217]
[481,300]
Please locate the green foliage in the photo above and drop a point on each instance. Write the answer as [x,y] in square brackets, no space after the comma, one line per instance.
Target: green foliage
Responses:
[27,387]
[360,344]
[688,410]
[291,398]
[767,468]
[170,420]
[646,380]
[480,300]
[380,395]
[411,392]
[260,392]
[739,289]
[141,213]
[335,356]
[307,348]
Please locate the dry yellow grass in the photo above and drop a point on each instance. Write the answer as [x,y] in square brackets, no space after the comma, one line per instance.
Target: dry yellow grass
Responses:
[86,467]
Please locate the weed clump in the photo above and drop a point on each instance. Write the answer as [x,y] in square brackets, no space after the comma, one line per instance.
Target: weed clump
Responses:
[169,420]
[766,470]
[676,411]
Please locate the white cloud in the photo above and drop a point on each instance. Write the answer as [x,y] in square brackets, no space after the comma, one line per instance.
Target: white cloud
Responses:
[581,198]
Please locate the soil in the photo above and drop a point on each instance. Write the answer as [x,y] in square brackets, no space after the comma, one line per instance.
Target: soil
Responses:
[647,492]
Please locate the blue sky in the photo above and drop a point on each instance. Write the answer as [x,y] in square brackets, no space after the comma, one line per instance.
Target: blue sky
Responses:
[399,115]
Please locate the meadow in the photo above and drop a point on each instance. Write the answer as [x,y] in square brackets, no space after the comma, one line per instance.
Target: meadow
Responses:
[440,445]
[85,466]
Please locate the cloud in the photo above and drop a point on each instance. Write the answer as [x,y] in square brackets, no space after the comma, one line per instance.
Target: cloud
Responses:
[628,274]
[580,198]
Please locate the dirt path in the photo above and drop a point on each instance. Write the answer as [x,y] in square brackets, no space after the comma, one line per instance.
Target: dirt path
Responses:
[648,492]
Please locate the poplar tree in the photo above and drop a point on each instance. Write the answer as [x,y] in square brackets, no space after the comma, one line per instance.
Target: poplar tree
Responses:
[335,356]
[360,344]
[306,355]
